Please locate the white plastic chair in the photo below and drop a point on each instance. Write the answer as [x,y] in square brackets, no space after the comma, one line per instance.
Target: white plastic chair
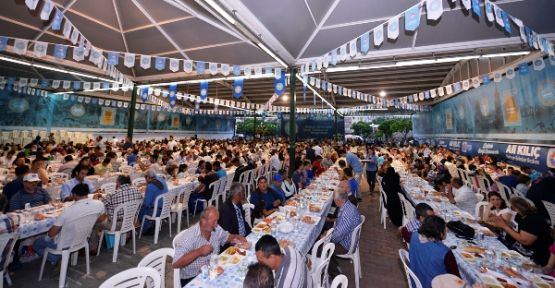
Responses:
[247,207]
[314,259]
[411,277]
[228,185]
[340,281]
[180,204]
[550,207]
[319,274]
[71,242]
[177,237]
[157,260]
[7,242]
[383,209]
[407,209]
[213,201]
[134,277]
[353,254]
[130,213]
[480,208]
[165,213]
[108,188]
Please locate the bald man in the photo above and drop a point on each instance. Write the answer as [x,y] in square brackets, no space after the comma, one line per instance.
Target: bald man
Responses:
[194,247]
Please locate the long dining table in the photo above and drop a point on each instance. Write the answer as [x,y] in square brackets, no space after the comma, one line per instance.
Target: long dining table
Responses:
[485,259]
[312,203]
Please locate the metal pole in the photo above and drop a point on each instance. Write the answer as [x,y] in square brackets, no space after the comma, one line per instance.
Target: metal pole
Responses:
[254,130]
[335,126]
[292,106]
[195,115]
[131,119]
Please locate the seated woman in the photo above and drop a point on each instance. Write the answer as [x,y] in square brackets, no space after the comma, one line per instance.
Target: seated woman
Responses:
[497,207]
[428,255]
[533,235]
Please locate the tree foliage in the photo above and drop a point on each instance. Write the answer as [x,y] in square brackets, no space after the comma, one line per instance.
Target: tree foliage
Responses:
[262,127]
[392,125]
[362,128]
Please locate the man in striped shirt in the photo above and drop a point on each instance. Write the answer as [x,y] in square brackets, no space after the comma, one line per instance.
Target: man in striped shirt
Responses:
[347,220]
[31,193]
[289,265]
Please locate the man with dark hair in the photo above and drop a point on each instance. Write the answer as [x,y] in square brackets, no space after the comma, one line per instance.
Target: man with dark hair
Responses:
[461,195]
[203,190]
[81,207]
[217,166]
[69,165]
[31,194]
[81,173]
[264,199]
[155,186]
[422,210]
[259,276]
[17,184]
[194,247]
[289,267]
[232,215]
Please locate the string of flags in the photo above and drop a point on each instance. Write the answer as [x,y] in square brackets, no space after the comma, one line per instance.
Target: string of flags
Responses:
[340,90]
[434,10]
[69,32]
[64,84]
[538,64]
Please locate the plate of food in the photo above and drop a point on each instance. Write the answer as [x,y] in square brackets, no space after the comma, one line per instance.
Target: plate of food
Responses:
[511,254]
[262,227]
[310,219]
[468,256]
[233,250]
[314,207]
[292,202]
[284,243]
[490,282]
[505,281]
[474,249]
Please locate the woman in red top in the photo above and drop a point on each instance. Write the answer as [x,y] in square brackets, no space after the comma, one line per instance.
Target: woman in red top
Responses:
[317,166]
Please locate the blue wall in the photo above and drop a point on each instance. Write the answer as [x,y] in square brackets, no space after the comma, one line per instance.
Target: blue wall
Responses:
[22,111]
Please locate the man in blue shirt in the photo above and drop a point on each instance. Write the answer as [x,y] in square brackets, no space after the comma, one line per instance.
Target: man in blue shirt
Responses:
[371,169]
[217,166]
[276,185]
[265,200]
[15,185]
[30,194]
[81,172]
[131,156]
[155,186]
[354,162]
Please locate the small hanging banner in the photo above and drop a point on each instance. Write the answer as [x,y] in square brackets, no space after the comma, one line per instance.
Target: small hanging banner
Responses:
[204,89]
[188,66]
[159,63]
[129,60]
[3,43]
[20,46]
[113,58]
[412,18]
[498,16]
[144,94]
[200,67]
[213,68]
[60,51]
[334,57]
[78,53]
[510,73]
[238,87]
[434,9]
[489,11]
[353,48]
[476,8]
[237,70]
[225,69]
[174,65]
[46,10]
[40,49]
[57,21]
[466,4]
[523,69]
[145,61]
[32,4]
[378,35]
[393,28]
[172,97]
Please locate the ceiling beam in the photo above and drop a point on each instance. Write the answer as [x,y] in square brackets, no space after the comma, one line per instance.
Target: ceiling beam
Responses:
[310,11]
[201,47]
[317,29]
[169,21]
[31,27]
[92,19]
[47,27]
[116,10]
[153,21]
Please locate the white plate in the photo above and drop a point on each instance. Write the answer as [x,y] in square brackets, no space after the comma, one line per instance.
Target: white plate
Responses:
[286,227]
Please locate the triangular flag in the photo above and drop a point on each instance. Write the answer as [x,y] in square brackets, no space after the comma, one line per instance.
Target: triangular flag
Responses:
[55,84]
[74,36]
[96,56]
[20,46]
[129,60]
[510,73]
[32,4]
[497,77]
[434,9]
[353,48]
[159,63]
[237,70]
[188,66]
[113,58]
[225,69]
[57,21]
[498,16]
[213,68]
[40,49]
[343,53]
[326,60]
[393,28]
[476,9]
[506,22]
[466,4]
[46,10]
[412,18]
[174,65]
[247,70]
[539,64]
[67,29]
[78,53]
[200,67]
[378,35]
[489,11]
[66,84]
[475,82]
[145,61]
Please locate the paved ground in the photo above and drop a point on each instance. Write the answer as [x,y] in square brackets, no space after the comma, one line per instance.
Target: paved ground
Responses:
[380,264]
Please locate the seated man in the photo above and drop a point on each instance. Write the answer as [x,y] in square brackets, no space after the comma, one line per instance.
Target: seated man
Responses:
[289,266]
[276,185]
[203,190]
[82,206]
[348,218]
[265,199]
[217,166]
[125,192]
[155,186]
[31,193]
[353,184]
[462,196]
[232,215]
[68,165]
[259,276]
[81,173]
[194,247]
[15,185]
[422,210]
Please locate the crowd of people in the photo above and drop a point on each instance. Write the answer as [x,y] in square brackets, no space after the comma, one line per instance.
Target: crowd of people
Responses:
[209,160]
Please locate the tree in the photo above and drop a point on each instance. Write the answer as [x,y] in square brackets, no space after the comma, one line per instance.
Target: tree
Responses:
[246,127]
[362,129]
[390,126]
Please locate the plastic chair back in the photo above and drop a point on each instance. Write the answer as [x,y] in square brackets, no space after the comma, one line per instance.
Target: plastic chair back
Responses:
[134,277]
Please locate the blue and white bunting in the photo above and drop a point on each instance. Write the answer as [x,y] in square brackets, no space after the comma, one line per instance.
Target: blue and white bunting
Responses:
[225,69]
[145,61]
[466,4]
[510,73]
[20,46]
[46,10]
[113,58]
[32,4]
[236,70]
[74,36]
[67,29]
[489,11]
[539,64]
[393,28]
[334,57]
[498,16]
[486,79]
[76,85]
[40,49]
[238,87]
[172,96]
[144,94]
[523,68]
[258,71]
[353,48]
[66,84]
[204,90]
[448,90]
[57,20]
[326,60]
[60,51]
[378,35]
[188,66]
[129,60]
[213,68]
[434,9]
[475,82]
[343,53]
[506,22]
[95,56]
[3,43]
[497,77]
[440,92]
[160,63]
[466,84]
[78,53]
[476,9]
[412,18]
[174,65]
[200,67]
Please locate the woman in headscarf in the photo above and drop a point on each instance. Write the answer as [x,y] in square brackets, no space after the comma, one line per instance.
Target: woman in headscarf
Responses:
[391,183]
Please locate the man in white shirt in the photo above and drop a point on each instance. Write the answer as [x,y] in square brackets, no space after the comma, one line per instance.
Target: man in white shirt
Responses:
[317,150]
[462,196]
[83,206]
[67,187]
[274,161]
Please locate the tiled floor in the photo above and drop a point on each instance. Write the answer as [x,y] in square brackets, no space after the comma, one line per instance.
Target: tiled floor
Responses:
[380,264]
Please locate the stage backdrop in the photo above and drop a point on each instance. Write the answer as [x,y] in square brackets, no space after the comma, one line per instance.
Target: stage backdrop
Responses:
[314,126]
[514,119]
[22,111]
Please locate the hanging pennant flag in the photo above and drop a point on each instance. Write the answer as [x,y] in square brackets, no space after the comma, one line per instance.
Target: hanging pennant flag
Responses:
[76,85]
[485,79]
[113,58]
[40,49]
[353,48]
[489,11]
[466,4]
[238,87]
[343,53]
[506,22]
[326,60]
[448,89]
[3,43]
[20,46]
[475,82]
[476,8]
[213,68]
[434,9]
[225,69]
[421,96]
[32,4]
[523,68]
[144,94]
[188,66]
[457,87]
[57,21]
[305,80]
[319,63]
[426,95]
[247,70]
[200,67]
[66,84]
[440,92]
[129,60]
[257,70]
[204,90]
[334,57]
[55,84]
[236,70]
[78,53]
[46,10]
[393,28]
[67,29]
[60,51]
[498,16]
[174,65]
[497,77]
[159,63]
[172,97]
[43,83]
[87,86]
[74,36]
[33,82]
[378,35]
[412,18]
[433,93]
[145,61]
